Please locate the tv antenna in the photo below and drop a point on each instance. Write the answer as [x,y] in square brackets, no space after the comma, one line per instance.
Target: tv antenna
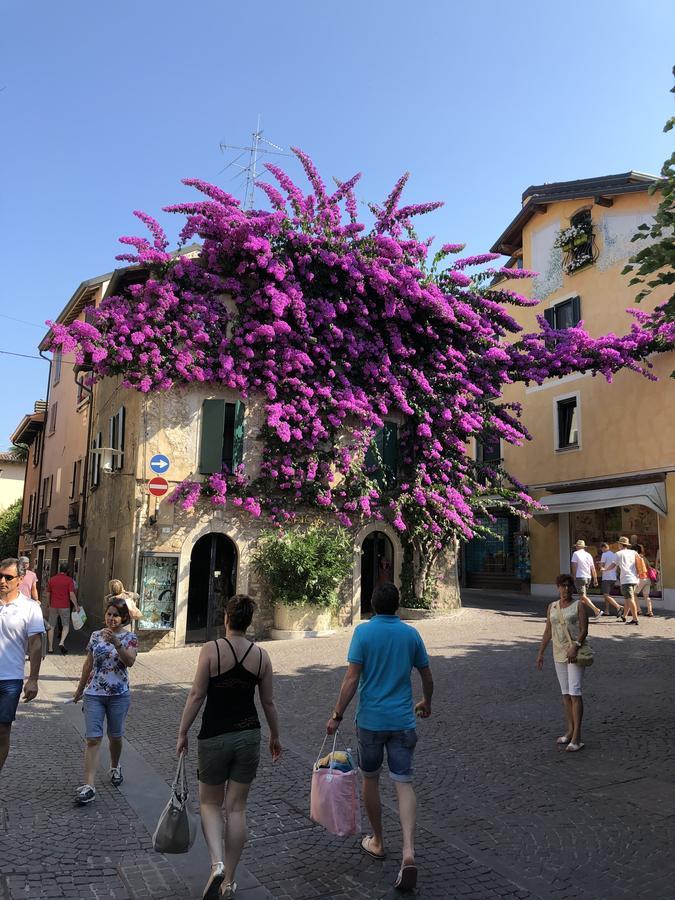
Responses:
[250,169]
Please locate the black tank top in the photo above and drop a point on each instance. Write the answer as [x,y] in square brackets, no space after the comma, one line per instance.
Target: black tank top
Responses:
[230,700]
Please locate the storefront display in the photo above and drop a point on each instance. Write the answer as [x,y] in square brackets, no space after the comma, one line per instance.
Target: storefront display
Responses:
[158,592]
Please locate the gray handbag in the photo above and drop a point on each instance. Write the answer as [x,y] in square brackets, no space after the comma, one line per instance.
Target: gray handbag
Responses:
[177,826]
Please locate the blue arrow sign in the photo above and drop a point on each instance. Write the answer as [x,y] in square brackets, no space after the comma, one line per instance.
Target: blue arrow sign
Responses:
[159,463]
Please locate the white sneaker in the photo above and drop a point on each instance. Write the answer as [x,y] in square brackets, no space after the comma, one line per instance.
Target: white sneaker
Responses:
[116,777]
[85,794]
[599,616]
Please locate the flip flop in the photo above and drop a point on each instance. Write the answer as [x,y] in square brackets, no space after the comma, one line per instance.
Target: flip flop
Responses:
[407,879]
[574,748]
[364,846]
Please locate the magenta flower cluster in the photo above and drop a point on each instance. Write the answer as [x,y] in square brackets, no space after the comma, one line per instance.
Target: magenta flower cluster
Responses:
[339,328]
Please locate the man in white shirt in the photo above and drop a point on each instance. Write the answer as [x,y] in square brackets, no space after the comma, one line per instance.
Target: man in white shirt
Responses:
[583,571]
[609,572]
[626,559]
[21,627]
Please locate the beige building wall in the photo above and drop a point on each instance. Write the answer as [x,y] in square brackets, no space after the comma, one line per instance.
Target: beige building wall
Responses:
[11,480]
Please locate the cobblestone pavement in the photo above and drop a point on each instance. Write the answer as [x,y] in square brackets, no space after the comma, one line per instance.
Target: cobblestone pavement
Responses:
[502,811]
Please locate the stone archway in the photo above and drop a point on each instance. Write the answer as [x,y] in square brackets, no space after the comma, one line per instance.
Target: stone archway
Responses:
[212,579]
[386,537]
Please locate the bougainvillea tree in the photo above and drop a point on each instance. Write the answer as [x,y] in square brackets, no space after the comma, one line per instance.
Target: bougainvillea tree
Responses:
[338,327]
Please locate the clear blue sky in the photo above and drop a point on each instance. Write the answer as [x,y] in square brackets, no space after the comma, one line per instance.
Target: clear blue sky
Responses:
[106,106]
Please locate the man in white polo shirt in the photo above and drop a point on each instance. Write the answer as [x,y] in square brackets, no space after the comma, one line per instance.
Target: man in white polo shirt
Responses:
[583,570]
[21,627]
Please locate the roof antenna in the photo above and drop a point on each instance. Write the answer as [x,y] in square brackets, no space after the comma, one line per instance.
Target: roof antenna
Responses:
[250,170]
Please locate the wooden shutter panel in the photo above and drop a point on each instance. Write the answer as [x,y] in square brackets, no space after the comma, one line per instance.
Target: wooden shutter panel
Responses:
[238,443]
[121,415]
[390,451]
[549,315]
[576,310]
[213,423]
[371,461]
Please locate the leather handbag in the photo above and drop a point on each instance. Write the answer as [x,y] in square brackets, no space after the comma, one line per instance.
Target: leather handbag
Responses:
[177,826]
[584,653]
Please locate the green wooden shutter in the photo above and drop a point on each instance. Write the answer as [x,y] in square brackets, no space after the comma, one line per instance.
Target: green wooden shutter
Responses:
[238,444]
[213,422]
[390,452]
[371,460]
[576,310]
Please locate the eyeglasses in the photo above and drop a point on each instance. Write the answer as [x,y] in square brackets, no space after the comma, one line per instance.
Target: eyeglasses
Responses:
[8,577]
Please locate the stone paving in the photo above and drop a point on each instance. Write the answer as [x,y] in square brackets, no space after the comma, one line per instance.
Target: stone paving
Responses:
[502,811]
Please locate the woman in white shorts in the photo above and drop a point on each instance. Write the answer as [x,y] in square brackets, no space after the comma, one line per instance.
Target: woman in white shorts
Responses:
[570,675]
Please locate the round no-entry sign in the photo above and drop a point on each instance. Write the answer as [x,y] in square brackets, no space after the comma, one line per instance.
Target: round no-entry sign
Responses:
[158,486]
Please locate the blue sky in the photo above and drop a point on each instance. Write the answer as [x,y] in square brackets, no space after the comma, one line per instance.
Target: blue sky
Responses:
[106,106]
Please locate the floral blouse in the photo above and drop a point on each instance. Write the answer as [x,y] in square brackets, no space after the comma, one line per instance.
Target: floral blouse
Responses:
[109,676]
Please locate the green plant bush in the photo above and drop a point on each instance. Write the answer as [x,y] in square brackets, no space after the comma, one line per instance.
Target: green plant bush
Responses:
[10,521]
[305,566]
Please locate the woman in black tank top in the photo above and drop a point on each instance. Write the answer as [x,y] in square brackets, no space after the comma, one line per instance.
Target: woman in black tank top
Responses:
[228,743]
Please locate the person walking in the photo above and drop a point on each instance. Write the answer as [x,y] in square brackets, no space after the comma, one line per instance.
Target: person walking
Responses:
[228,744]
[21,627]
[104,684]
[583,572]
[117,590]
[28,584]
[60,597]
[608,576]
[382,654]
[567,628]
[644,584]
[627,562]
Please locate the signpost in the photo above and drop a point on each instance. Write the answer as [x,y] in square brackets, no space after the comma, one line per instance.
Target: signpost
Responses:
[158,486]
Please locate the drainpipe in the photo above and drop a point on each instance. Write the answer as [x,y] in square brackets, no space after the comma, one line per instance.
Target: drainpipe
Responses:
[139,505]
[85,467]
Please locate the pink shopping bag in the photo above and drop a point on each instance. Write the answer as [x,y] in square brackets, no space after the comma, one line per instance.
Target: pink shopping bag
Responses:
[334,799]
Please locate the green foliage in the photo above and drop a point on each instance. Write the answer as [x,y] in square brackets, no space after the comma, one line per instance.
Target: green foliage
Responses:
[10,522]
[654,265]
[305,566]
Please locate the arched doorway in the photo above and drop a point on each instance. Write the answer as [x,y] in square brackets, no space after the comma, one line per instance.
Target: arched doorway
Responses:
[377,566]
[213,578]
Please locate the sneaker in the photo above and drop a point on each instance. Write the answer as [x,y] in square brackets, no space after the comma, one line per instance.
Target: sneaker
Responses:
[85,794]
[116,777]
[212,889]
[620,615]
[599,615]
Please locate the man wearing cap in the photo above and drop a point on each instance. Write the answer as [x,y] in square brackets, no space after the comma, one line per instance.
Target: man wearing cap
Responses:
[583,570]
[627,567]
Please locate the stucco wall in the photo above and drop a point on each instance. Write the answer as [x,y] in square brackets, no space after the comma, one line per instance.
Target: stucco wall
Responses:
[11,483]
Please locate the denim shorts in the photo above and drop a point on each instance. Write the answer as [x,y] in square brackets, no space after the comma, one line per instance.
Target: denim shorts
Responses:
[97,708]
[10,692]
[400,751]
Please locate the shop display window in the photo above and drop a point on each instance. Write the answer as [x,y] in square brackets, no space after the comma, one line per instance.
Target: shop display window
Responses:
[159,576]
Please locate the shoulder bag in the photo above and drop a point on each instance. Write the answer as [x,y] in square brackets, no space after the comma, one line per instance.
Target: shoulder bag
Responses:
[584,653]
[176,829]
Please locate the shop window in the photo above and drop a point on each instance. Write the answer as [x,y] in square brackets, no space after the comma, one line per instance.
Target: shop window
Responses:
[567,423]
[382,455]
[566,314]
[222,443]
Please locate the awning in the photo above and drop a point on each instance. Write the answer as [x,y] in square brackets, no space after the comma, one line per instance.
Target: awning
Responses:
[651,495]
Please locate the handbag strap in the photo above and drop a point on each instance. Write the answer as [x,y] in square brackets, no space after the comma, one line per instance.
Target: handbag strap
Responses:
[179,782]
[564,623]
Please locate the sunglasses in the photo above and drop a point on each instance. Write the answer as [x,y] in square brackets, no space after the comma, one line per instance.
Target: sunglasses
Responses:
[7,577]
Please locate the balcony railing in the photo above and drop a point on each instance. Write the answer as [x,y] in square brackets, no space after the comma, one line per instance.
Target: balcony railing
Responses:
[74,514]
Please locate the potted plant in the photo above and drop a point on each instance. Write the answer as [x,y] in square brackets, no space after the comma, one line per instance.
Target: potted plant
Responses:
[303,570]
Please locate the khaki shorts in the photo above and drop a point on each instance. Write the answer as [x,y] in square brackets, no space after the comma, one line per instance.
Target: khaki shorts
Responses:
[233,756]
[63,614]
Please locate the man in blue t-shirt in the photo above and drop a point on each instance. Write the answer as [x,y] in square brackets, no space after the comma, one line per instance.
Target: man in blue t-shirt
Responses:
[381,657]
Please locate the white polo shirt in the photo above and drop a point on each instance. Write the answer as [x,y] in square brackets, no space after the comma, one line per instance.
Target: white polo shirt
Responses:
[584,562]
[19,619]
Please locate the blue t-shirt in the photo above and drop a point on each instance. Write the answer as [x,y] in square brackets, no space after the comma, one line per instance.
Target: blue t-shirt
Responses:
[388,650]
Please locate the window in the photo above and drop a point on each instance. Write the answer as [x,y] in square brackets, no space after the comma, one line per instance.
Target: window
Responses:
[30,523]
[52,418]
[56,367]
[382,455]
[95,476]
[488,449]
[116,436]
[37,448]
[576,242]
[567,423]
[222,445]
[47,485]
[565,314]
[76,483]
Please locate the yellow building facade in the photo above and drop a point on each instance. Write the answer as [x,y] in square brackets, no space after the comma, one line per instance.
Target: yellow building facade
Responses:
[602,456]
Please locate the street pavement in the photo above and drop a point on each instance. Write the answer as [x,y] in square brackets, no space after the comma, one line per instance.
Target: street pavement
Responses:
[502,811]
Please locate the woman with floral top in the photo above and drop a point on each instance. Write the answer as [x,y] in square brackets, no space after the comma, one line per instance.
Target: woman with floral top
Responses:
[105,685]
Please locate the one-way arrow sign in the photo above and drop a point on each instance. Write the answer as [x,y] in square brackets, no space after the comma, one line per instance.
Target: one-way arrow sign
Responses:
[159,463]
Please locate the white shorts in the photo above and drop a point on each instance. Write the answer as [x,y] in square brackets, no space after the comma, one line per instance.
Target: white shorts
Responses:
[570,676]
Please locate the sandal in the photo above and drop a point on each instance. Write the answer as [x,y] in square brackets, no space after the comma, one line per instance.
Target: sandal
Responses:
[228,890]
[365,843]
[407,878]
[574,748]
[563,739]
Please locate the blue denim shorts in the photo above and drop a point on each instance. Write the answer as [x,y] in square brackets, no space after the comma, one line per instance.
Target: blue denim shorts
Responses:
[10,692]
[400,751]
[97,708]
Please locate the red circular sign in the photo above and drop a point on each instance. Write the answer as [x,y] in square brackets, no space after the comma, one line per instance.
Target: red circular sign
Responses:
[158,486]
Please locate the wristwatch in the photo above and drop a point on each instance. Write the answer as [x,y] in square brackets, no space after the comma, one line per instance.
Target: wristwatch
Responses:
[335,717]
[578,643]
